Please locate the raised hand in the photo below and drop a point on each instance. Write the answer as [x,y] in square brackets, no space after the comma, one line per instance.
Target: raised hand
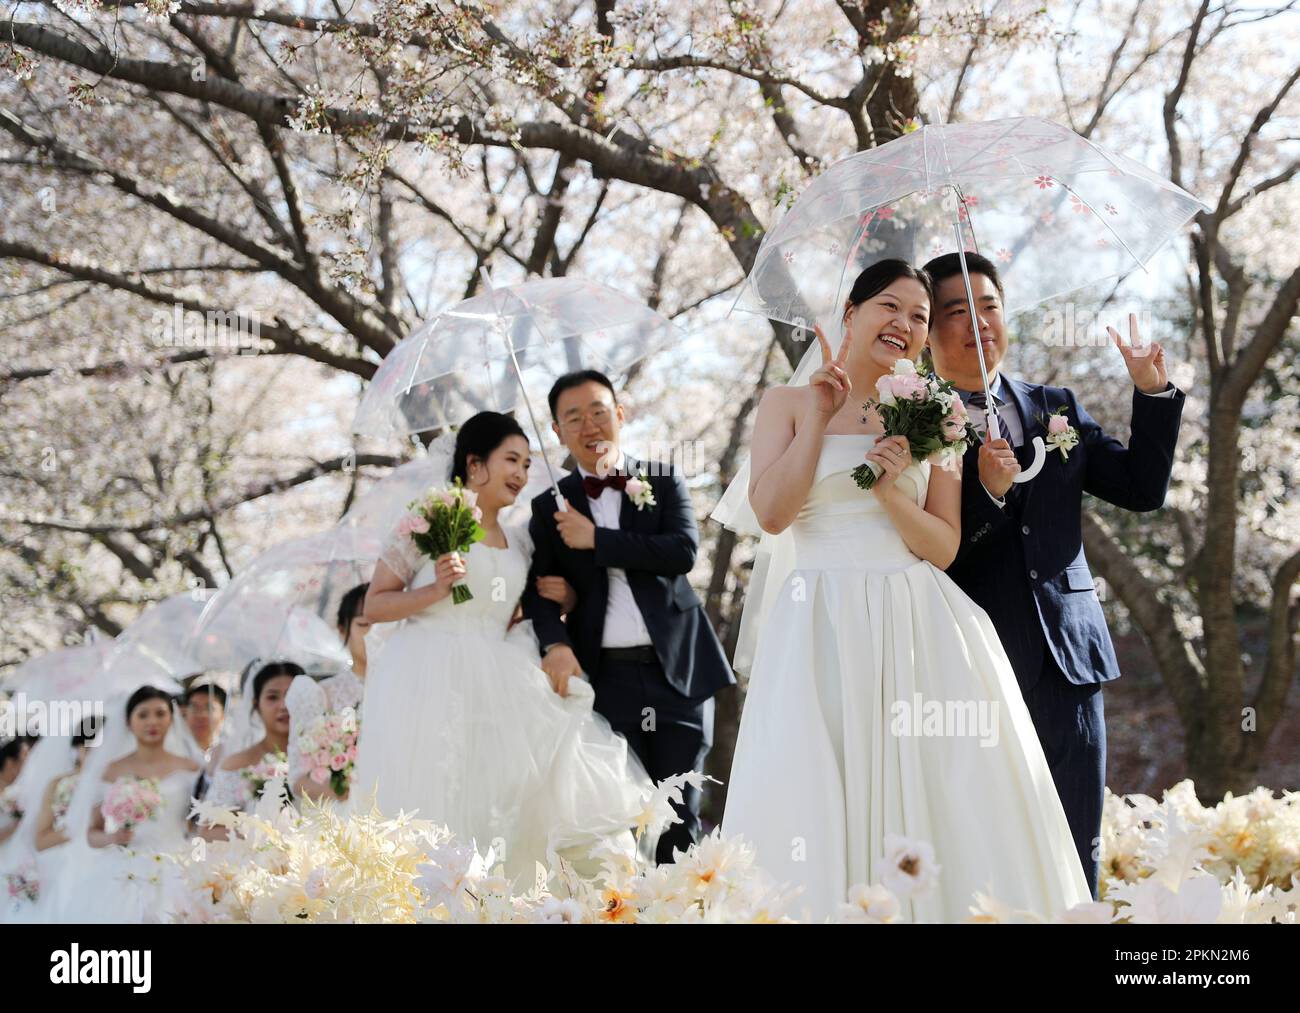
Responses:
[1146,363]
[830,383]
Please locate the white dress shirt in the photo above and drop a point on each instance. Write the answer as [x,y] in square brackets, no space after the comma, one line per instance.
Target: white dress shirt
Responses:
[624,625]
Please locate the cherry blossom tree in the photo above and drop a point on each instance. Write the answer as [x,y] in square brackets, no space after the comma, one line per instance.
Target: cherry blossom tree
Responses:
[219,217]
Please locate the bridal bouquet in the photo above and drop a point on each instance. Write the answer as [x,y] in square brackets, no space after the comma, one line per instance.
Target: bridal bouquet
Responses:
[62,800]
[130,801]
[10,807]
[445,520]
[330,745]
[927,411]
[23,883]
[269,767]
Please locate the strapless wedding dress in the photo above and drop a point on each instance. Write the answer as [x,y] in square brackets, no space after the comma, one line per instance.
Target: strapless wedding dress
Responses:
[882,703]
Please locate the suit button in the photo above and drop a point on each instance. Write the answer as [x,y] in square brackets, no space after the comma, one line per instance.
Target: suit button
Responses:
[1025,530]
[1033,574]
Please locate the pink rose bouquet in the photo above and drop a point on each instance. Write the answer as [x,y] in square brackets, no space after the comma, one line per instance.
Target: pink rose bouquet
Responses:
[927,411]
[330,745]
[130,801]
[445,520]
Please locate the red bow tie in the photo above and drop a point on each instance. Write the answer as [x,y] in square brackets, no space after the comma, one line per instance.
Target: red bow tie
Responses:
[595,486]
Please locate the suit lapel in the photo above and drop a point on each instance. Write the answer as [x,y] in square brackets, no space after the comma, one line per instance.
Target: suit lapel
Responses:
[626,508]
[571,488]
[1029,402]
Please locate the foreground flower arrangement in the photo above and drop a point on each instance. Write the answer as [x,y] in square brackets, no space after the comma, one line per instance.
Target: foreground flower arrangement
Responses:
[1163,862]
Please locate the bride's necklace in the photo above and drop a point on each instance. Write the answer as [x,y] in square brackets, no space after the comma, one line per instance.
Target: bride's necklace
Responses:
[867,417]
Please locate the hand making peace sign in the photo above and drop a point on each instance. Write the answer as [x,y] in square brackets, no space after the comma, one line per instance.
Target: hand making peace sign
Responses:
[1146,363]
[830,383]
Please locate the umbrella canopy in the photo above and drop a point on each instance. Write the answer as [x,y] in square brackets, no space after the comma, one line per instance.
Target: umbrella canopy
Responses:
[68,673]
[281,607]
[485,353]
[1055,211]
[460,362]
[154,647]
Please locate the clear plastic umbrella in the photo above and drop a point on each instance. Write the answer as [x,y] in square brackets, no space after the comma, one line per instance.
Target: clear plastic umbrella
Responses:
[497,350]
[156,644]
[281,607]
[68,673]
[1055,211]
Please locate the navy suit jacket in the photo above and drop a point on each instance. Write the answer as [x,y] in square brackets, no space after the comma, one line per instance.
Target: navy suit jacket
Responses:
[656,548]
[1024,563]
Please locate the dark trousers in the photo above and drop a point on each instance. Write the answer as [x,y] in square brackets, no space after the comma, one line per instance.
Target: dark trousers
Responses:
[669,734]
[1072,730]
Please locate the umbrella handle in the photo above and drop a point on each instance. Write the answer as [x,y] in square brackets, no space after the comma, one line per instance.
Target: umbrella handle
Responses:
[560,502]
[1040,458]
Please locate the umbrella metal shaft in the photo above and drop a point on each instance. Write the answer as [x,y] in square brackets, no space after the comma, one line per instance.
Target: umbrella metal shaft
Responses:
[990,416]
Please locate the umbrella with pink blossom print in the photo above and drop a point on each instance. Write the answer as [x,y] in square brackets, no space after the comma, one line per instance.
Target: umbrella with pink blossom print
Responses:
[281,606]
[1055,211]
[502,349]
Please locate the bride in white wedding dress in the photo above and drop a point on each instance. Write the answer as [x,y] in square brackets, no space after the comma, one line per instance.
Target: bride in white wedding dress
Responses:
[124,873]
[860,637]
[461,724]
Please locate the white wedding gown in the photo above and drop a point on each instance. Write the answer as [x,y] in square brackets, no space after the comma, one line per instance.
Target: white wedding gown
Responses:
[47,868]
[822,773]
[462,725]
[135,883]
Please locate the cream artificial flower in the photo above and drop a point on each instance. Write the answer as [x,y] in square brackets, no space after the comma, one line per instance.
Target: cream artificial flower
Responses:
[910,866]
[868,905]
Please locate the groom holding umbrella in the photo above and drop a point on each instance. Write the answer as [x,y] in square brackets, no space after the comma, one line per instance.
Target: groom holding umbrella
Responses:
[1021,555]
[626,543]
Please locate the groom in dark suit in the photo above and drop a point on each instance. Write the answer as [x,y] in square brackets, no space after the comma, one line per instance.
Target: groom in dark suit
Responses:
[1021,555]
[638,631]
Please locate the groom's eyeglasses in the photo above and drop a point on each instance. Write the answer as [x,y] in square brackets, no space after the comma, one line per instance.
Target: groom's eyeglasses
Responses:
[573,423]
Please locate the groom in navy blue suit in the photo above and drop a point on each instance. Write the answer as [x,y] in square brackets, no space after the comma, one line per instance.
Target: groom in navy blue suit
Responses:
[638,632]
[1021,556]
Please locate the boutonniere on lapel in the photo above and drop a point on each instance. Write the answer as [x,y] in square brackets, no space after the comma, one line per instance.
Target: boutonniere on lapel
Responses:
[639,492]
[1060,434]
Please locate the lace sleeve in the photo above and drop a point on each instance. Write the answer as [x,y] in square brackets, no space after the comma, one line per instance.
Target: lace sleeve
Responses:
[343,690]
[401,556]
[229,789]
[306,701]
